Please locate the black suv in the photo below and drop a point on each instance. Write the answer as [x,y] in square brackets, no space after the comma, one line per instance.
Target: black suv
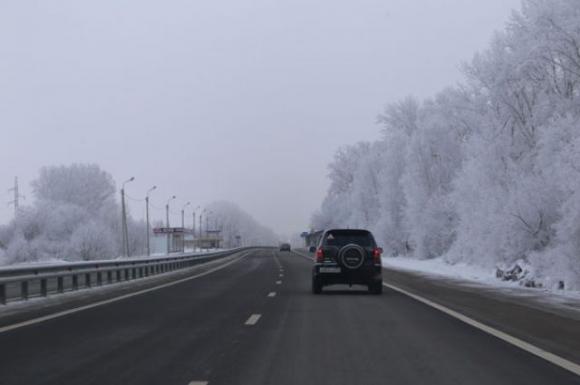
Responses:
[347,257]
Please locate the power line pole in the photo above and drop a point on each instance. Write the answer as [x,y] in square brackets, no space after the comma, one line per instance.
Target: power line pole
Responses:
[17,196]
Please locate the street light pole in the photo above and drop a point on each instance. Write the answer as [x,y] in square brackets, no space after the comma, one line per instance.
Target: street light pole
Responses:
[200,215]
[183,214]
[148,223]
[207,224]
[183,226]
[193,226]
[124,228]
[167,221]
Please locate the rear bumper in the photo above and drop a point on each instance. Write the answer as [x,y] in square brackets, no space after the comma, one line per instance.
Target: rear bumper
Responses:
[365,275]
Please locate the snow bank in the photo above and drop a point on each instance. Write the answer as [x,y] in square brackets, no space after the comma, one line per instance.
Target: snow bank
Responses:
[438,267]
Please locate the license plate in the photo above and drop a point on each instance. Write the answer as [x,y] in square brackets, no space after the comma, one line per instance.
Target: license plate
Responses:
[333,270]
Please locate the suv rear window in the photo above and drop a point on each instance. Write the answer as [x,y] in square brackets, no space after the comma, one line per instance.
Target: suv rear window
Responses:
[340,238]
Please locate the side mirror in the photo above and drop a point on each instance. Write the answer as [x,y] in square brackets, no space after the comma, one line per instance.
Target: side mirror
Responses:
[312,249]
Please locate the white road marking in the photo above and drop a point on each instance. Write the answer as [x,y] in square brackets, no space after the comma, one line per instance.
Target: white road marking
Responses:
[198,383]
[115,299]
[550,357]
[278,282]
[281,275]
[254,318]
[272,294]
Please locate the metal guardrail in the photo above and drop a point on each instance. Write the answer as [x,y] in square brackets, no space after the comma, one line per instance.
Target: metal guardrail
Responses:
[23,283]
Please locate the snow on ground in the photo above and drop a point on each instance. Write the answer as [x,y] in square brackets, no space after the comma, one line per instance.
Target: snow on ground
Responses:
[485,280]
[439,267]
[55,261]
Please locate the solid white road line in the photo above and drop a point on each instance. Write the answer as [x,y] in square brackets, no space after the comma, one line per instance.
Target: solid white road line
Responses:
[272,294]
[115,299]
[254,318]
[550,357]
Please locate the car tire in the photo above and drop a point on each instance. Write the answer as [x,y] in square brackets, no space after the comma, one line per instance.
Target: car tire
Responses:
[316,286]
[360,254]
[376,288]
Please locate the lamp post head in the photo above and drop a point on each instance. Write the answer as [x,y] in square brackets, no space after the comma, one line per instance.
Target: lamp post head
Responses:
[127,181]
[151,189]
[170,199]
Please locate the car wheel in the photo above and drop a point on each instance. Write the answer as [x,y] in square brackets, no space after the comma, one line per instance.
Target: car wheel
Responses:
[316,286]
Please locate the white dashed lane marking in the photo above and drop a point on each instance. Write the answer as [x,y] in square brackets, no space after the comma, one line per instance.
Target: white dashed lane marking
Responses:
[198,383]
[278,282]
[272,294]
[254,318]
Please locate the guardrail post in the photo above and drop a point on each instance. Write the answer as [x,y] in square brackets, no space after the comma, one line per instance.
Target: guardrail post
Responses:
[60,285]
[88,280]
[109,277]
[75,282]
[118,275]
[2,294]
[24,290]
[99,278]
[43,287]
[126,274]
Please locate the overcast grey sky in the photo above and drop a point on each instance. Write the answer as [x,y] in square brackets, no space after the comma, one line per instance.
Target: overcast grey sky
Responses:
[239,100]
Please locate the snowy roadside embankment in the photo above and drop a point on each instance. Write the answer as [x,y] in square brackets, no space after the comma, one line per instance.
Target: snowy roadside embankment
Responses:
[438,266]
[485,279]
[54,261]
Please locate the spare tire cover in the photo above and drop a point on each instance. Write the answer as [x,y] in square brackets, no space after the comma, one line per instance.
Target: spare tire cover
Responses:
[352,256]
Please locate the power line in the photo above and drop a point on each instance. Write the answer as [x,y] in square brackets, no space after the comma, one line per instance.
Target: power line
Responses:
[134,199]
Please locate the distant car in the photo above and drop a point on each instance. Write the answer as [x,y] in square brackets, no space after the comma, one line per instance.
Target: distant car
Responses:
[285,247]
[345,256]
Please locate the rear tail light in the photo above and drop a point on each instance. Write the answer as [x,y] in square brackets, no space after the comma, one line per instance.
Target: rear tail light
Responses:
[377,251]
[319,255]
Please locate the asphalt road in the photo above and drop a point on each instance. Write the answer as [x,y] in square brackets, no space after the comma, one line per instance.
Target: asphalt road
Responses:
[227,327]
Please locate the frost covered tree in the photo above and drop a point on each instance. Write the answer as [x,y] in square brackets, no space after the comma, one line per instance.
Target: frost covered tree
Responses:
[234,222]
[74,217]
[82,185]
[485,172]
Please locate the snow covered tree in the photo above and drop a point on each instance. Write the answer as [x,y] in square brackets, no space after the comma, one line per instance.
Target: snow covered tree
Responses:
[486,172]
